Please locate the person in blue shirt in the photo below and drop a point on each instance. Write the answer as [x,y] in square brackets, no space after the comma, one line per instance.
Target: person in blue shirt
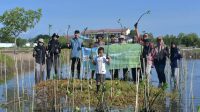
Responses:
[75,45]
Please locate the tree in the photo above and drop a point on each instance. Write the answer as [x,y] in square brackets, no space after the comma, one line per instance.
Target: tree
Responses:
[18,20]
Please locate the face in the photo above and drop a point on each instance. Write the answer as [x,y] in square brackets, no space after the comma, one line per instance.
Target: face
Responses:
[159,41]
[121,40]
[112,39]
[76,35]
[173,45]
[41,44]
[100,39]
[145,36]
[55,38]
[101,53]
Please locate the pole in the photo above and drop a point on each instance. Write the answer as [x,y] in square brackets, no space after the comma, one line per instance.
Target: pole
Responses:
[50,26]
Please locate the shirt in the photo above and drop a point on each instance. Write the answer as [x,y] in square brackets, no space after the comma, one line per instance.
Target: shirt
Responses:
[101,64]
[76,44]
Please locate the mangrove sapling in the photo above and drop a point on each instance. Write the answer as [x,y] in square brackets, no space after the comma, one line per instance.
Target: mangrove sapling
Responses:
[156,96]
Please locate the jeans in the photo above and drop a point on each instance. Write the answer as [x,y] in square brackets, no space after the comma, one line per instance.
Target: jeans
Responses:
[53,60]
[39,72]
[78,62]
[160,69]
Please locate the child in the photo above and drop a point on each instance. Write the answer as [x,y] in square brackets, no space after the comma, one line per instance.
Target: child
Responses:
[100,62]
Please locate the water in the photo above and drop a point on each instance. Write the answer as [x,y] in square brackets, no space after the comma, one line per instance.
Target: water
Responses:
[189,92]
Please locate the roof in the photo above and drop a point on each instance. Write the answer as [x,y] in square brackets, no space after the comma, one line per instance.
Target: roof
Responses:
[105,31]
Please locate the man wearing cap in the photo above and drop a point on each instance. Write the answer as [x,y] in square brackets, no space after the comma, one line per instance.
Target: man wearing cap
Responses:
[53,51]
[39,52]
[75,45]
[161,54]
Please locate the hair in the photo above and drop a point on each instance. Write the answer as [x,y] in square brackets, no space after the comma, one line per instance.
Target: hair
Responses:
[76,32]
[99,35]
[112,36]
[100,48]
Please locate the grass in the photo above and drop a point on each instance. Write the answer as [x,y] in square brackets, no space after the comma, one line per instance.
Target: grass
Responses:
[9,66]
[123,94]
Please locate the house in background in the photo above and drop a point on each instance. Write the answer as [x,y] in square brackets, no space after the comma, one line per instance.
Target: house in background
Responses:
[7,45]
[105,32]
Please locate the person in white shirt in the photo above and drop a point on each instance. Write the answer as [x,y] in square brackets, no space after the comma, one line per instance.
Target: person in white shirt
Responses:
[100,62]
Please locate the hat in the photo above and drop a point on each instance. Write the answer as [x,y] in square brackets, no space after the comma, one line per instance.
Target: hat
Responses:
[76,32]
[122,37]
[41,40]
[55,35]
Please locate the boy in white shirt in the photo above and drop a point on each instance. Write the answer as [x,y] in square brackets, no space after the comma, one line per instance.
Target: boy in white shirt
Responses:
[100,62]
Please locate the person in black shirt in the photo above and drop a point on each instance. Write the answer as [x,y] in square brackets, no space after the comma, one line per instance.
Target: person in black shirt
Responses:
[53,51]
[39,52]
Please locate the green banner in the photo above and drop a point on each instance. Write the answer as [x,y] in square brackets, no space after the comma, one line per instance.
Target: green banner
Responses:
[122,55]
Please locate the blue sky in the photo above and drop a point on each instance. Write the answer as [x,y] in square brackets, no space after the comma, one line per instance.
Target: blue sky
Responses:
[167,17]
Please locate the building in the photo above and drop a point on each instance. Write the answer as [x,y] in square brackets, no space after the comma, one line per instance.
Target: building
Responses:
[116,32]
[6,45]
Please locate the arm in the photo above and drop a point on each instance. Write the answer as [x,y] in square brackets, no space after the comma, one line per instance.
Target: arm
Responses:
[93,61]
[107,59]
[137,33]
[69,45]
[34,52]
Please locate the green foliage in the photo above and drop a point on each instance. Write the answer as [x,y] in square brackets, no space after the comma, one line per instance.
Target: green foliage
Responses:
[21,42]
[45,37]
[18,20]
[188,40]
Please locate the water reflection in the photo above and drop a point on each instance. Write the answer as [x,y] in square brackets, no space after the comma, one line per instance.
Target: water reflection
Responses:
[185,102]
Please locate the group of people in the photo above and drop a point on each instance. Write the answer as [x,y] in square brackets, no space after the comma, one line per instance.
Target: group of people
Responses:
[151,56]
[48,56]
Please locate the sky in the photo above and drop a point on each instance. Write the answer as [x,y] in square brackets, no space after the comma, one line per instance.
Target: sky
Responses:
[167,17]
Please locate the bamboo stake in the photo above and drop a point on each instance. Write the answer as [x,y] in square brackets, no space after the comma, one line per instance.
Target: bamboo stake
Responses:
[5,73]
[191,89]
[33,92]
[137,90]
[16,68]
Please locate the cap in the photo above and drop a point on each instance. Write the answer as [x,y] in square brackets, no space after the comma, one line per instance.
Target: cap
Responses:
[41,40]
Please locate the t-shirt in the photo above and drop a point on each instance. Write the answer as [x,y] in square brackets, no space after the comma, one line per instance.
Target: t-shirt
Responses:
[100,64]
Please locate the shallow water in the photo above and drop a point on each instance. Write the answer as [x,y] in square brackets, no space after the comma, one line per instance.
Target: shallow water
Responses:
[189,92]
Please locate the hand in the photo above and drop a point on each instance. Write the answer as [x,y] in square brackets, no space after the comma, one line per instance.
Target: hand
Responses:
[79,48]
[136,25]
[68,44]
[90,57]
[108,57]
